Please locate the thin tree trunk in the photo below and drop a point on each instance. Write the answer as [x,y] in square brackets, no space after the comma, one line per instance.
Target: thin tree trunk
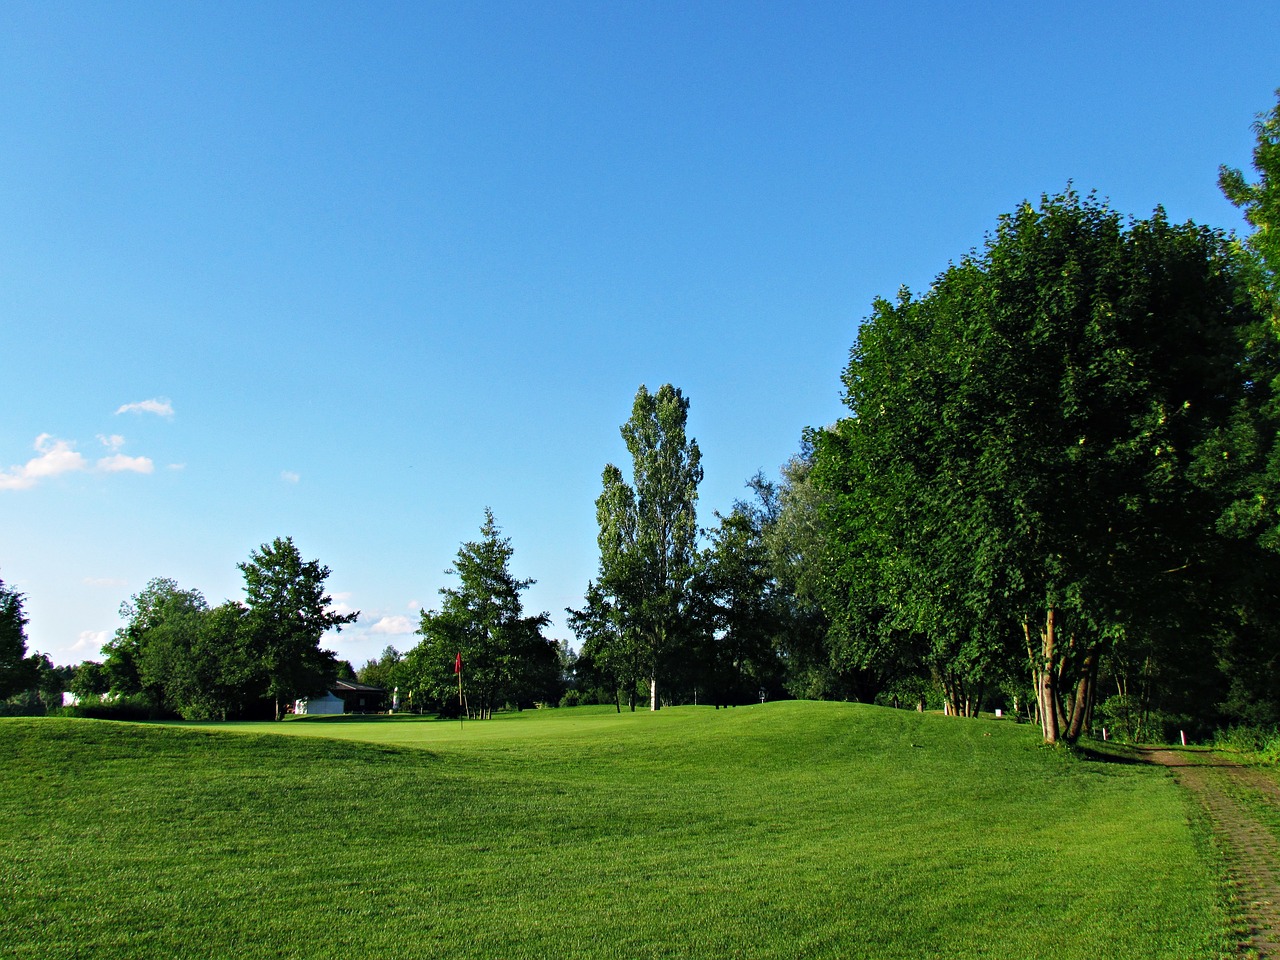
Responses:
[1048,693]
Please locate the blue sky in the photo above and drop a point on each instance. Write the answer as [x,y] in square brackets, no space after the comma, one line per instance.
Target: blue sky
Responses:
[352,272]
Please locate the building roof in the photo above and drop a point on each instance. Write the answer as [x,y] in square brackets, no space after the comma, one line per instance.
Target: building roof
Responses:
[348,686]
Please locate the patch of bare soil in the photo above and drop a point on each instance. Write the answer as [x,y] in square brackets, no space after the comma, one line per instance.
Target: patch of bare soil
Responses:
[1250,848]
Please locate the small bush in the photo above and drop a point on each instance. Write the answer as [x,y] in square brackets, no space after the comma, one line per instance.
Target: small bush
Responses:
[121,708]
[1249,738]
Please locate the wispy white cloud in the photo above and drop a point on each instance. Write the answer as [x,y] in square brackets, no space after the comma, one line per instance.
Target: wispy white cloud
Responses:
[413,605]
[393,626]
[160,406]
[56,457]
[105,582]
[119,463]
[288,476]
[60,456]
[91,640]
[177,466]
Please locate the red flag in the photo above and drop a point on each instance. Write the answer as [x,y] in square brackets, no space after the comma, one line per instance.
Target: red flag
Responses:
[457,664]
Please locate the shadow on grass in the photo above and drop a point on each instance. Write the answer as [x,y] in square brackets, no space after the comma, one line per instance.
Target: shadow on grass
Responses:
[372,718]
[1124,756]
[1143,755]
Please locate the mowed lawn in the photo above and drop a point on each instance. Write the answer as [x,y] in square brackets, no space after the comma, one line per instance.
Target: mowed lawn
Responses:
[775,830]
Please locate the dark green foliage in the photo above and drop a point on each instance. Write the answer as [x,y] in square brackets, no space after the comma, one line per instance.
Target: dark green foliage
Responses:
[17,671]
[1017,472]
[161,622]
[381,672]
[744,611]
[505,657]
[288,613]
[610,656]
[181,656]
[90,680]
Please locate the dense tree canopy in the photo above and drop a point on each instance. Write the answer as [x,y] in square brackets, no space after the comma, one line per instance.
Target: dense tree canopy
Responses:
[744,613]
[1021,451]
[181,655]
[148,655]
[288,613]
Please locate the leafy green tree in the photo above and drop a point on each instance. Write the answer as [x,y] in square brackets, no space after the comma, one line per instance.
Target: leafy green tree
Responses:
[17,670]
[183,656]
[505,657]
[794,529]
[1021,446]
[1243,456]
[649,531]
[220,677]
[743,609]
[610,651]
[382,671]
[147,655]
[90,681]
[1260,201]
[289,612]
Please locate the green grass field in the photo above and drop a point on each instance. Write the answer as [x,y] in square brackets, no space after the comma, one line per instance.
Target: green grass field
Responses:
[780,830]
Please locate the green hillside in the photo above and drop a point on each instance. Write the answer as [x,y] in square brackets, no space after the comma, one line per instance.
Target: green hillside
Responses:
[784,830]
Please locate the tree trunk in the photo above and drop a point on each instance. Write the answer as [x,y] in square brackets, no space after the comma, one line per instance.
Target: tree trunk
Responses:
[1083,702]
[653,693]
[1048,686]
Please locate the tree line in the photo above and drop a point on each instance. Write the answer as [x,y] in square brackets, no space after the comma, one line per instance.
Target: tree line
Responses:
[177,655]
[1056,492]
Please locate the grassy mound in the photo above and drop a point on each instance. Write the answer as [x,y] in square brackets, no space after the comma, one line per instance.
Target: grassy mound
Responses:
[787,830]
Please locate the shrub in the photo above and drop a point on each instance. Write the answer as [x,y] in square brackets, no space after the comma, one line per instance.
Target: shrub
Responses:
[1249,738]
[570,698]
[120,708]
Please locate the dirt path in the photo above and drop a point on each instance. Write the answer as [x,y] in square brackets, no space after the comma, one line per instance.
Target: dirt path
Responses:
[1250,847]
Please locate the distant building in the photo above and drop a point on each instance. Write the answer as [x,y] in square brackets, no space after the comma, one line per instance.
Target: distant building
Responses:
[325,706]
[343,696]
[359,697]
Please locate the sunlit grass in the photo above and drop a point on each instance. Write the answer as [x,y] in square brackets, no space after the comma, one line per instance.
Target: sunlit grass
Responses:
[782,830]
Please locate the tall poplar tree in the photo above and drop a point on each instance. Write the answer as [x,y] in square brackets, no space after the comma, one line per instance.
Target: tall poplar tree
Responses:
[649,530]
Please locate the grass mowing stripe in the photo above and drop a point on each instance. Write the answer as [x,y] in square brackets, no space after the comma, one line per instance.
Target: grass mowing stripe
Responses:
[781,830]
